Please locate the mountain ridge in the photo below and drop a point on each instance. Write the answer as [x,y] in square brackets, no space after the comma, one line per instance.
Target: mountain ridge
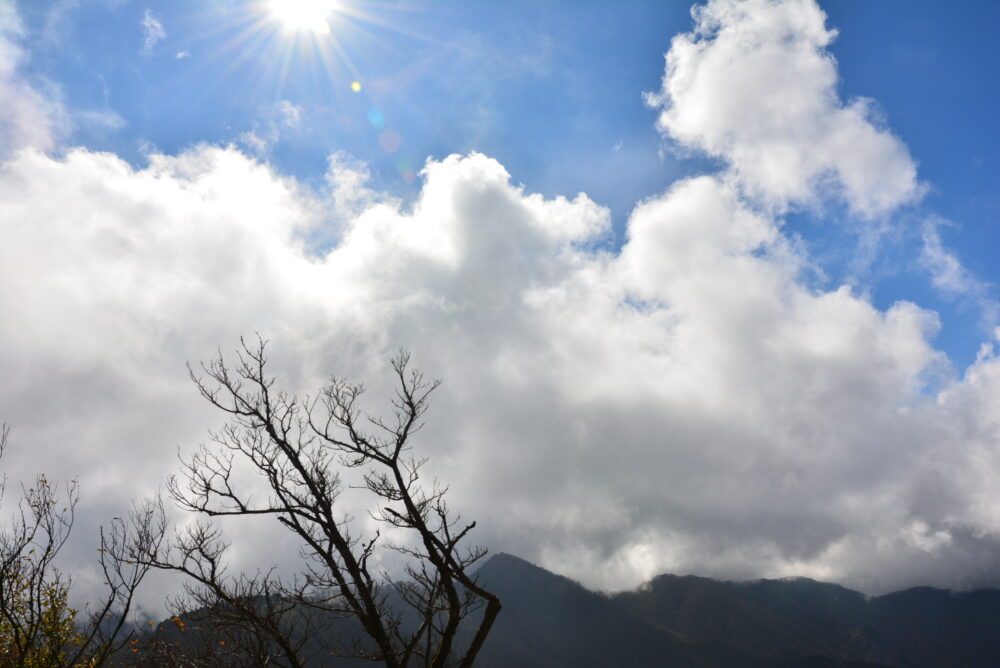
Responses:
[686,621]
[763,622]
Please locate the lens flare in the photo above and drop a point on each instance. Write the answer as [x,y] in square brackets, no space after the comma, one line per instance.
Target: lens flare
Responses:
[376,118]
[303,15]
[390,141]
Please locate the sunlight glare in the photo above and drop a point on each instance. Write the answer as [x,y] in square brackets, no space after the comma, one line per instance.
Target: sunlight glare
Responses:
[303,15]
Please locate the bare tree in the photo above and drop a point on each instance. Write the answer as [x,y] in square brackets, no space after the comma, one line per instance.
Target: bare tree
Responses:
[37,625]
[437,616]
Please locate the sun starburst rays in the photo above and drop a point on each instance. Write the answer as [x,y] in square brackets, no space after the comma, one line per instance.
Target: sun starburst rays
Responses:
[312,16]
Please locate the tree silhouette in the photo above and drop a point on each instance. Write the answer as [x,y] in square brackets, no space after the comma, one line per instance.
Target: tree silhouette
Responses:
[437,616]
[38,628]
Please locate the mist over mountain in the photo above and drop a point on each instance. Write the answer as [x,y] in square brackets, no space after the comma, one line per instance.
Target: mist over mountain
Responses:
[549,620]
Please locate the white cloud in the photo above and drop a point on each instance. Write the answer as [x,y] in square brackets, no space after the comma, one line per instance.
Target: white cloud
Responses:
[255,142]
[152,32]
[288,113]
[950,276]
[32,111]
[27,116]
[686,403]
[754,84]
[271,122]
[103,118]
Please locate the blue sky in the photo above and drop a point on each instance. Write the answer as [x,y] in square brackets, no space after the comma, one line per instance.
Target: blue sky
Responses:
[552,90]
[732,313]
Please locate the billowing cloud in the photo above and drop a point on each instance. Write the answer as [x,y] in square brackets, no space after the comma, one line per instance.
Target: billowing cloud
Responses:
[685,403]
[754,85]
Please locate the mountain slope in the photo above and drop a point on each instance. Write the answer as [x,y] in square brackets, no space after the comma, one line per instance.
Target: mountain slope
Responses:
[549,620]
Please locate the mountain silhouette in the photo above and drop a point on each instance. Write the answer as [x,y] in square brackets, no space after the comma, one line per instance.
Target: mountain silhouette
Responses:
[550,621]
[682,621]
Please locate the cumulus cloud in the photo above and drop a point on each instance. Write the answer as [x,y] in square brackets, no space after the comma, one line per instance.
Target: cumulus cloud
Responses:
[754,85]
[686,403]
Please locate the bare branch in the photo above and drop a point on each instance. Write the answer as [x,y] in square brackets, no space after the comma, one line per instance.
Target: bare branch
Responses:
[296,447]
[36,623]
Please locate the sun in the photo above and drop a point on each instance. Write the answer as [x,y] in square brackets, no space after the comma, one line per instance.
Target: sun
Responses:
[303,15]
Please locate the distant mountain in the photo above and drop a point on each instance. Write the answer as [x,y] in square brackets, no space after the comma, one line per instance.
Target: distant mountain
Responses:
[771,620]
[686,621]
[549,621]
